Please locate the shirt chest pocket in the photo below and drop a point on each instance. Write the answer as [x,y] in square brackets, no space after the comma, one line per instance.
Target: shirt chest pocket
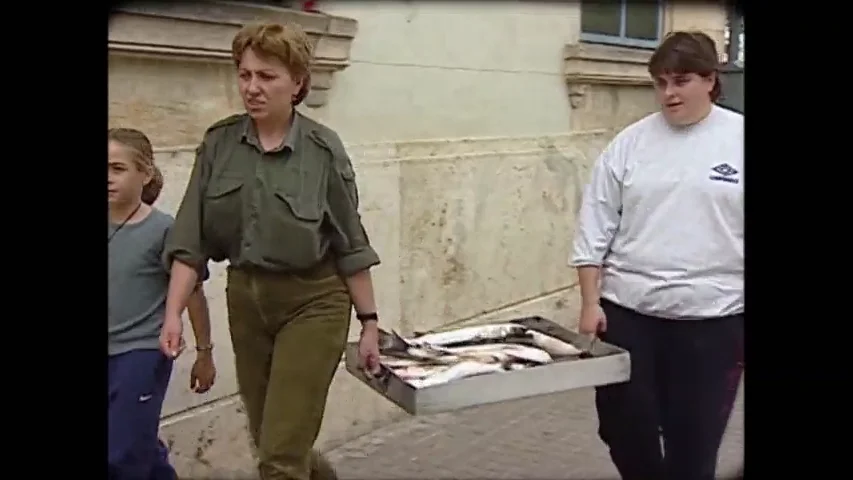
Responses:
[304,208]
[296,209]
[223,212]
[299,188]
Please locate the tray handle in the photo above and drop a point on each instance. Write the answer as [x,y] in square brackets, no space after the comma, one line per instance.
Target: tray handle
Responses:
[378,382]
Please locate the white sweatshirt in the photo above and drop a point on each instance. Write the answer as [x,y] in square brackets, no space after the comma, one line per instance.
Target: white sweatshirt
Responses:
[663,217]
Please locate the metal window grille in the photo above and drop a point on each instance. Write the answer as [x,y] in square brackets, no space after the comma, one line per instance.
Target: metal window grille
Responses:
[734,62]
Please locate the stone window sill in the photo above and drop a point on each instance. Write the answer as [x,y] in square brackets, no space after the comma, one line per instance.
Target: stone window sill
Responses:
[591,64]
[204,30]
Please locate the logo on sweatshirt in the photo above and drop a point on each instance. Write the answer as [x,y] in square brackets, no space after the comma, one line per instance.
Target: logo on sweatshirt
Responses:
[724,173]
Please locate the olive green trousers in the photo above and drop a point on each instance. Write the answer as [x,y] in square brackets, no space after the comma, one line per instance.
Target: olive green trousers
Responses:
[288,332]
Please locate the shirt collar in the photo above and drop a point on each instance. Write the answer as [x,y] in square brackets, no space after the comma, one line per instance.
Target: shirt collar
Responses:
[250,135]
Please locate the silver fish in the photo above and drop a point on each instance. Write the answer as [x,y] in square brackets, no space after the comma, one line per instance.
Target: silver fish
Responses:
[501,352]
[394,345]
[462,369]
[395,362]
[393,342]
[413,372]
[467,334]
[436,358]
[554,346]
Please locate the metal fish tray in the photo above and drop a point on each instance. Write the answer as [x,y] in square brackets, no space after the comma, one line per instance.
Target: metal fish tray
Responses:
[608,364]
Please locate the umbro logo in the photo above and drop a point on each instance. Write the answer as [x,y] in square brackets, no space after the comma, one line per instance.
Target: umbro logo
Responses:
[724,173]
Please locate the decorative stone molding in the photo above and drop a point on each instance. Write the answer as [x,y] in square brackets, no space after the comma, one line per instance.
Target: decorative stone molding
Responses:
[204,30]
[589,64]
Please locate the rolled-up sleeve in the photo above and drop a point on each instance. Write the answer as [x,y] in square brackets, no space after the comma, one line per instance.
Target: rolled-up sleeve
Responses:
[349,240]
[600,212]
[184,242]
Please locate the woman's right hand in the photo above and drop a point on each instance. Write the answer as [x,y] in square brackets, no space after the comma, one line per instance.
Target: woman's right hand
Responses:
[172,336]
[592,320]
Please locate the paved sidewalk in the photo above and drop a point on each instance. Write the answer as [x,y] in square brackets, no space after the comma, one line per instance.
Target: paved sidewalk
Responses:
[551,437]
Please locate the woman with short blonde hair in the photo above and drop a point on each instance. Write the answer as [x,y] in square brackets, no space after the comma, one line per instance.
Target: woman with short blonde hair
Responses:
[274,193]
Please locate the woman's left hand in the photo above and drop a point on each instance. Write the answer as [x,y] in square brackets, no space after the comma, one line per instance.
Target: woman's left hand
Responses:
[203,373]
[368,349]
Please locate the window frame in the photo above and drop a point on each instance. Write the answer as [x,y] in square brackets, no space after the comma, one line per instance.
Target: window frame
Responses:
[735,27]
[621,40]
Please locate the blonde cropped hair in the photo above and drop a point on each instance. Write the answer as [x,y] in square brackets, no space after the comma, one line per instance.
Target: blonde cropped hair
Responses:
[287,43]
[143,156]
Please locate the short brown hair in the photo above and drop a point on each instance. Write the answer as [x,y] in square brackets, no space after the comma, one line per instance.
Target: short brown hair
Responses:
[143,154]
[287,43]
[687,52]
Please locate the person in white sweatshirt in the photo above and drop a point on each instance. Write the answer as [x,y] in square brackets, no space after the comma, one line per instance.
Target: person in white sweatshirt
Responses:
[659,254]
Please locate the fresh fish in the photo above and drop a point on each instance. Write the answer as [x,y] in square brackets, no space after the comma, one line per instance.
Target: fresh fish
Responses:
[468,334]
[393,342]
[415,372]
[394,345]
[533,338]
[435,358]
[395,362]
[554,346]
[426,359]
[475,349]
[464,369]
[430,354]
[530,354]
[501,352]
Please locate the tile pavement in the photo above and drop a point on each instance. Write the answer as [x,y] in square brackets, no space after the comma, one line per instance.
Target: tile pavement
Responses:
[549,437]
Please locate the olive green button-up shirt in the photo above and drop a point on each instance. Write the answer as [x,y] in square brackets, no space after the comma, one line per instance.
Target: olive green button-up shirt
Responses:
[287,209]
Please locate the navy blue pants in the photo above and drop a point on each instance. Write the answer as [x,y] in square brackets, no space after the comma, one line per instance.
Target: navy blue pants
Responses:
[684,379]
[137,386]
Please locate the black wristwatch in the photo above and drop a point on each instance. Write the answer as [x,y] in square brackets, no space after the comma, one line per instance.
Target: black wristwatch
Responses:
[366,317]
